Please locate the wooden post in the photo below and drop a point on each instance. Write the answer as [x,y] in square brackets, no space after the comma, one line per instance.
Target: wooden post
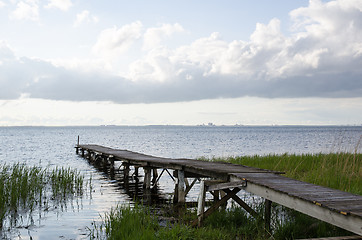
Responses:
[155,175]
[147,178]
[267,215]
[175,195]
[181,186]
[147,185]
[77,147]
[223,194]
[126,176]
[201,203]
[136,172]
[216,195]
[126,172]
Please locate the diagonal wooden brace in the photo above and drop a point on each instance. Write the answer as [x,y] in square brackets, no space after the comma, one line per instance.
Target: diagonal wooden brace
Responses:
[201,203]
[242,203]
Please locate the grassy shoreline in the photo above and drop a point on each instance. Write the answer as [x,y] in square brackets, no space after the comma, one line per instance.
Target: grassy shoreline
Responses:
[341,171]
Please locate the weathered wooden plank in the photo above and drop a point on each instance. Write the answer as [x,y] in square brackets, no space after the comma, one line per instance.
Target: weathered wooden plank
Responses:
[226,185]
[351,223]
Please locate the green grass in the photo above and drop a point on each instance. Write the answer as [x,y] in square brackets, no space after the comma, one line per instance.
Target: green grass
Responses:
[335,170]
[24,189]
[125,222]
[341,171]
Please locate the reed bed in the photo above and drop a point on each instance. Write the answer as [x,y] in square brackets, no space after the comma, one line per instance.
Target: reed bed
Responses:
[24,189]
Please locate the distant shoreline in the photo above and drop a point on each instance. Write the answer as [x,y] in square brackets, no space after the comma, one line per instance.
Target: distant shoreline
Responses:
[176,125]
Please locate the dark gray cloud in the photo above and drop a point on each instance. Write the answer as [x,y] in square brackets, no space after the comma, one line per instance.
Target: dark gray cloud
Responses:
[39,79]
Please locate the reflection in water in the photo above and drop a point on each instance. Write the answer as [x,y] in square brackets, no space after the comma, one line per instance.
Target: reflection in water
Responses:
[27,193]
[128,180]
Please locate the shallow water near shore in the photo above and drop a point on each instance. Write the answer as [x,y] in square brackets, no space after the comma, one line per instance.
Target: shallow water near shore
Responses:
[50,147]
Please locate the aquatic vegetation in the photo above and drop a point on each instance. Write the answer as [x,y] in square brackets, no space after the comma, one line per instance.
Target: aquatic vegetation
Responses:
[126,222]
[24,189]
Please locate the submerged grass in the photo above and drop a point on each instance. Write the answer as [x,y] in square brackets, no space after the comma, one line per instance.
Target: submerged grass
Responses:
[24,188]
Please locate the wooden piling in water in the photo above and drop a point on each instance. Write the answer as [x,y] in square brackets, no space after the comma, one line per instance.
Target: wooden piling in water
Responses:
[181,186]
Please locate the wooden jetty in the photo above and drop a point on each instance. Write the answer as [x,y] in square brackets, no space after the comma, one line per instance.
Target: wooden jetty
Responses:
[224,181]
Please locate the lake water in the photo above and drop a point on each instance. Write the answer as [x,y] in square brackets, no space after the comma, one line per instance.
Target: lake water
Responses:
[54,146]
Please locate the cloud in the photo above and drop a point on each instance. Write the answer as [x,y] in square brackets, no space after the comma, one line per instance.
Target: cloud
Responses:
[26,10]
[2,4]
[85,17]
[322,57]
[63,5]
[115,41]
[153,36]
[6,52]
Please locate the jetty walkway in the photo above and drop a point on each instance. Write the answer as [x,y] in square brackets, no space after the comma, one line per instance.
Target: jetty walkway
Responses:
[224,181]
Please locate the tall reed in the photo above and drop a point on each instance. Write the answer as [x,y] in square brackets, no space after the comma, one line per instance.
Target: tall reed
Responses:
[24,188]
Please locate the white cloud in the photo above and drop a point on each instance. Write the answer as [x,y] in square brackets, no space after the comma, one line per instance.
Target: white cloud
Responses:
[154,36]
[327,39]
[114,41]
[63,5]
[2,4]
[85,17]
[6,53]
[26,10]
[321,58]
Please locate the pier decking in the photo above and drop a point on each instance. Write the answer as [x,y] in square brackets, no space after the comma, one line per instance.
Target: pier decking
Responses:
[336,207]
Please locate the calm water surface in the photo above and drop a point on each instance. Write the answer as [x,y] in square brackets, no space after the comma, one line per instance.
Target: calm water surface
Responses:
[54,146]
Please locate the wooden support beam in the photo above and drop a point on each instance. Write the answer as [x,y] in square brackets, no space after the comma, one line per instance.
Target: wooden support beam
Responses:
[188,188]
[223,194]
[175,193]
[225,185]
[242,204]
[201,204]
[154,183]
[181,186]
[126,172]
[216,194]
[154,175]
[267,215]
[349,222]
[147,178]
[136,171]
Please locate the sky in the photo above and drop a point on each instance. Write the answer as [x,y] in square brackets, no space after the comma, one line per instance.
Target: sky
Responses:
[142,62]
